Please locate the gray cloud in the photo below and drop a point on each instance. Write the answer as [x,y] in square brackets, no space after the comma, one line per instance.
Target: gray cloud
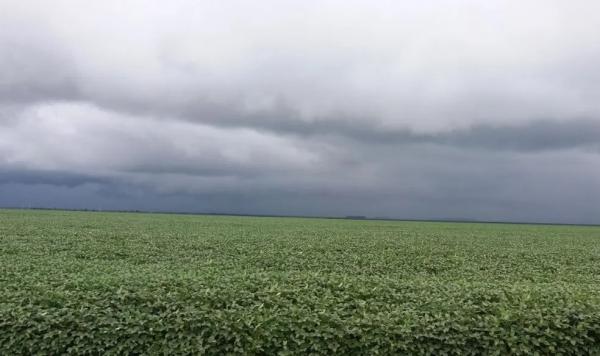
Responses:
[35,66]
[430,110]
[533,136]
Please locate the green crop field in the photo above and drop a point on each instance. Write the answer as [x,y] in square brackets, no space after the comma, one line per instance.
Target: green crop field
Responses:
[102,283]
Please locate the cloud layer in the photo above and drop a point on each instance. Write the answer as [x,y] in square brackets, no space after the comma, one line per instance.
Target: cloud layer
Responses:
[468,109]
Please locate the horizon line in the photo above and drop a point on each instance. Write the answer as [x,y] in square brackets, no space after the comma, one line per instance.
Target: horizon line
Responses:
[346,217]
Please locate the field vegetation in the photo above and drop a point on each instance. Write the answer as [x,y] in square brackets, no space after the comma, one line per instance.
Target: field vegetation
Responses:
[113,283]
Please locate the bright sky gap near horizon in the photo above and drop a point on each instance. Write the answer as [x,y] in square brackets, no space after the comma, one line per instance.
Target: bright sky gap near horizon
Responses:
[485,110]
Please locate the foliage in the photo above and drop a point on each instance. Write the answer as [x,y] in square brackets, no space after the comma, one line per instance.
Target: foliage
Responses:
[114,283]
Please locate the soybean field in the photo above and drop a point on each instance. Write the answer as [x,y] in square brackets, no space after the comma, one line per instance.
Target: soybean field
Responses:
[132,283]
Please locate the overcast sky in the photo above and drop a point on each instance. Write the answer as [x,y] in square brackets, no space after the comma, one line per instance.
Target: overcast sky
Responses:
[484,110]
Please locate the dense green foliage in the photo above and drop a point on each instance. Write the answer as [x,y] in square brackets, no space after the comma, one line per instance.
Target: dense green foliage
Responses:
[101,283]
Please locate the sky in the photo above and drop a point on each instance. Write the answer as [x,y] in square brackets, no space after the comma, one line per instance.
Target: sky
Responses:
[476,110]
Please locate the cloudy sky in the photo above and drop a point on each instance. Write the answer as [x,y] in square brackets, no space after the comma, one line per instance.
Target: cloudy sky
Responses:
[440,109]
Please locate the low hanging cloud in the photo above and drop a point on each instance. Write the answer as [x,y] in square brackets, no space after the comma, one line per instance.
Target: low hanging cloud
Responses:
[459,110]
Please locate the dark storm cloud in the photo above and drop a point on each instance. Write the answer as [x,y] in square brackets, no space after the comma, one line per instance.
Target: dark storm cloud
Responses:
[25,176]
[415,182]
[477,110]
